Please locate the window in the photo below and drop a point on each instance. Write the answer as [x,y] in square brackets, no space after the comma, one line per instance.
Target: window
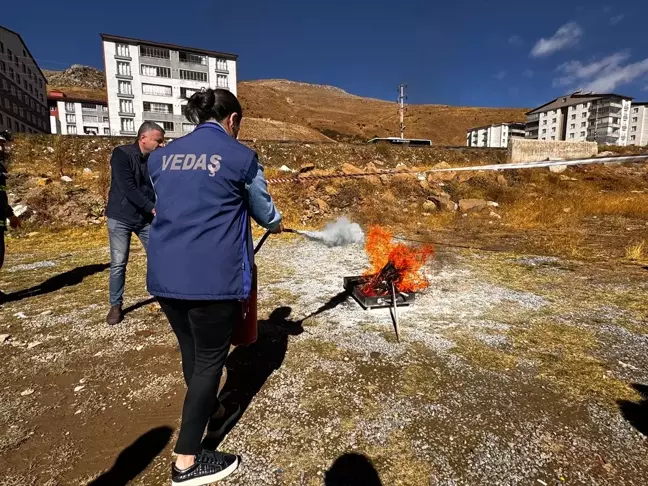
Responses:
[193,75]
[156,90]
[3,66]
[186,93]
[572,126]
[156,52]
[553,120]
[104,108]
[88,106]
[633,129]
[71,129]
[544,130]
[183,110]
[158,107]
[635,110]
[7,103]
[106,131]
[70,118]
[634,119]
[582,134]
[583,124]
[125,87]
[127,125]
[11,73]
[188,127]
[69,107]
[633,137]
[584,115]
[571,135]
[553,138]
[122,50]
[5,86]
[90,119]
[221,65]
[574,116]
[192,58]
[126,106]
[544,122]
[553,129]
[123,68]
[168,126]
[105,119]
[1,47]
[155,71]
[221,81]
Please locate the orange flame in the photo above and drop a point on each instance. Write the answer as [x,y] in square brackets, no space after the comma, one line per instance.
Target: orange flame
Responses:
[406,259]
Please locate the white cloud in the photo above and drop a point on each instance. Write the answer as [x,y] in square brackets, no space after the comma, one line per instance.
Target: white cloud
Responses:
[601,75]
[616,19]
[515,40]
[500,75]
[528,73]
[566,36]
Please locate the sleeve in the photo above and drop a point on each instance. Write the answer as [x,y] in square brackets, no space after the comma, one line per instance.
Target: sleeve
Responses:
[262,207]
[4,200]
[125,181]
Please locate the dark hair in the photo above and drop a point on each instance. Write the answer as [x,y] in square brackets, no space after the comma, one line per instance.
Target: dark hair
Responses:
[149,126]
[212,104]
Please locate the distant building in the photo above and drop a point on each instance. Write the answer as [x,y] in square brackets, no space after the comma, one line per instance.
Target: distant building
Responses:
[151,81]
[71,115]
[496,135]
[23,107]
[638,124]
[592,117]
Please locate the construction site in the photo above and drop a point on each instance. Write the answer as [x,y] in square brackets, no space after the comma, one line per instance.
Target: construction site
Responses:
[487,326]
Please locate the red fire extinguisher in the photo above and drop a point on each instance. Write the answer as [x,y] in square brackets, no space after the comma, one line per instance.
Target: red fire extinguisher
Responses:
[245,333]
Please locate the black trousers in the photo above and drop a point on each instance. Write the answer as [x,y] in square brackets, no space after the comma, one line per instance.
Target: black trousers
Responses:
[204,330]
[2,247]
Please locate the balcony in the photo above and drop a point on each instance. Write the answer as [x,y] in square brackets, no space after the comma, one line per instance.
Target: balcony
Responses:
[125,113]
[124,76]
[126,95]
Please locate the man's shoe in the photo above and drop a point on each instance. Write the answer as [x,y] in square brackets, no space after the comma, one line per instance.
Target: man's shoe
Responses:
[115,315]
[217,426]
[210,466]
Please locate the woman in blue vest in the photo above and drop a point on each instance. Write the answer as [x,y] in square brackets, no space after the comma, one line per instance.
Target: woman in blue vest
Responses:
[200,262]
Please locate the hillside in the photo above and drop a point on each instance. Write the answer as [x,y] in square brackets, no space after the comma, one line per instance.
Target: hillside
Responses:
[341,115]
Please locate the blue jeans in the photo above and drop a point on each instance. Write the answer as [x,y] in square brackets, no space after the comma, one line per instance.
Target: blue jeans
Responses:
[119,235]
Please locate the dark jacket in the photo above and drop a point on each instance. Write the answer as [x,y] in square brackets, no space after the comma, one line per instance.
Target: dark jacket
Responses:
[5,209]
[200,245]
[131,198]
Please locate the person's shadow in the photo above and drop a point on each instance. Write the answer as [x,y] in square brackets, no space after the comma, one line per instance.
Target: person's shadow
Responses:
[636,413]
[133,460]
[352,470]
[57,282]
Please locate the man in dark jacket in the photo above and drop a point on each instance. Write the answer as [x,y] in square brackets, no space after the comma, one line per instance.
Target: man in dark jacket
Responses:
[131,207]
[6,213]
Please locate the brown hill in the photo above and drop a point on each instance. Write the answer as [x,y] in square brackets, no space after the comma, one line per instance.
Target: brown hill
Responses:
[341,115]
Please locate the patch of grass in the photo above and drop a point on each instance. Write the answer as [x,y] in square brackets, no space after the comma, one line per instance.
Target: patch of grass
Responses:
[635,252]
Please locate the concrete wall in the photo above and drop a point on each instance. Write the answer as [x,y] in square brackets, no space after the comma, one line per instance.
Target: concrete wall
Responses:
[524,150]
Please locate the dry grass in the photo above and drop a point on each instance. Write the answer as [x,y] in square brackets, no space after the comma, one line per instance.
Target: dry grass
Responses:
[636,252]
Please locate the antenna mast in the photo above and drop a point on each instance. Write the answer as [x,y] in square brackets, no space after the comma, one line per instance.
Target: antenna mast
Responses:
[401,109]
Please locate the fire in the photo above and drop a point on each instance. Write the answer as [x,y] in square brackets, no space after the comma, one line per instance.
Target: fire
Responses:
[394,262]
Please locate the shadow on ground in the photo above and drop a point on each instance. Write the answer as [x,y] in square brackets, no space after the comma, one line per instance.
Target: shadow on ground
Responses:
[57,282]
[135,458]
[352,470]
[637,413]
[138,305]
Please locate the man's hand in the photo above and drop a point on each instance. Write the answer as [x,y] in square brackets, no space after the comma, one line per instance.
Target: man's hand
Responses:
[14,222]
[278,229]
[153,211]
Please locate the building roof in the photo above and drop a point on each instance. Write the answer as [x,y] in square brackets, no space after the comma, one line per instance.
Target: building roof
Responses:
[26,49]
[81,96]
[574,99]
[131,40]
[495,125]
[640,103]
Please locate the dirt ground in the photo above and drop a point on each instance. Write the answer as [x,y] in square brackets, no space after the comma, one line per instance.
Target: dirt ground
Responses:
[511,369]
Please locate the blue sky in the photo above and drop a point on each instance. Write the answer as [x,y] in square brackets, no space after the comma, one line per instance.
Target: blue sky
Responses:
[472,52]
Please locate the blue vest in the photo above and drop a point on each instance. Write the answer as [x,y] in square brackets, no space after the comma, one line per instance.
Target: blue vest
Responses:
[200,244]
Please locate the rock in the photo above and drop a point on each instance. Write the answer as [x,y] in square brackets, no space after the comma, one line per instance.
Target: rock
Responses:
[330,190]
[66,179]
[33,233]
[371,167]
[79,388]
[4,338]
[441,176]
[501,180]
[46,313]
[33,345]
[565,178]
[557,169]
[322,204]
[307,167]
[429,206]
[20,209]
[607,153]
[26,392]
[285,168]
[350,169]
[493,214]
[468,205]
[465,176]
[44,181]
[50,150]
[20,315]
[492,204]
[443,203]
[424,184]
[375,180]
[87,172]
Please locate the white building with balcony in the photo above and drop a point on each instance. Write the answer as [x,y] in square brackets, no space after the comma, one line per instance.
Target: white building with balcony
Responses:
[593,117]
[496,135]
[151,81]
[77,116]
[638,124]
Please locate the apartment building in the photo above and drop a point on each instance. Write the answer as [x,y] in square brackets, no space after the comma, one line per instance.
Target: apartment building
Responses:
[23,106]
[151,81]
[638,124]
[593,117]
[496,135]
[77,116]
